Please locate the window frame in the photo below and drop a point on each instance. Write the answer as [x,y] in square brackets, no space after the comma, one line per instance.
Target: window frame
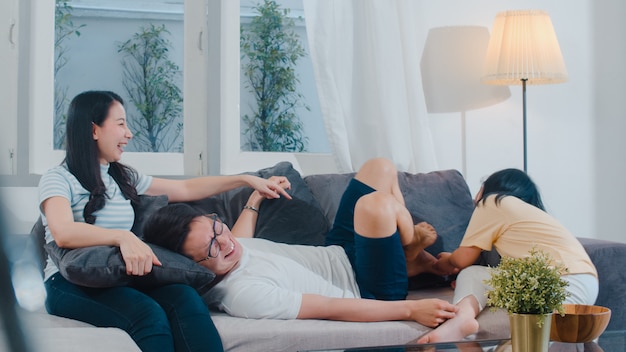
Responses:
[211,106]
[42,156]
[232,159]
[9,54]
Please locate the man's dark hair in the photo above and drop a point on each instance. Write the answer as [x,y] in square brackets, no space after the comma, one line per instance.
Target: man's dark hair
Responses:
[169,226]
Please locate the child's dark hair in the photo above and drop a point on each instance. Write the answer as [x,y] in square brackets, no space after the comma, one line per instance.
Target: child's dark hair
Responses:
[512,182]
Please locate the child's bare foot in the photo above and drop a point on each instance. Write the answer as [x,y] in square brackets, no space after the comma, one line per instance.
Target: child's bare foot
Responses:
[424,235]
[454,329]
[462,325]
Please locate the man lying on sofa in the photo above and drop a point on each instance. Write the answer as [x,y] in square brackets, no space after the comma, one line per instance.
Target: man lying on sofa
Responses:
[361,275]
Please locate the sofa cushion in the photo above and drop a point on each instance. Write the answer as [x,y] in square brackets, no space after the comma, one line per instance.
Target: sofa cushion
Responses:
[90,339]
[296,221]
[313,334]
[442,198]
[103,266]
[147,206]
[609,258]
[328,189]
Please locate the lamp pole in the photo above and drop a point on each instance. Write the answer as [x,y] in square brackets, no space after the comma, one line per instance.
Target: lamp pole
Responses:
[524,119]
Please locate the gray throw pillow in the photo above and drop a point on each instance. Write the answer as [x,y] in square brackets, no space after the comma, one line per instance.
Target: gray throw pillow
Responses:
[103,266]
[296,221]
[441,198]
[146,207]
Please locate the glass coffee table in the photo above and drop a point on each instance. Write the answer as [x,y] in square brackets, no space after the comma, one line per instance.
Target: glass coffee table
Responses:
[610,341]
[463,346]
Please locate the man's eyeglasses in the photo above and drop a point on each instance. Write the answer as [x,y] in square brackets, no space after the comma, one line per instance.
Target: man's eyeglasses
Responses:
[214,246]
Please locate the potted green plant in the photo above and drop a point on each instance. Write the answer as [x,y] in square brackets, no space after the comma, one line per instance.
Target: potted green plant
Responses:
[530,289]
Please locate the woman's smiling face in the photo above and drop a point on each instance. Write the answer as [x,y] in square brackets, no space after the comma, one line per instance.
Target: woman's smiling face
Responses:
[197,243]
[113,135]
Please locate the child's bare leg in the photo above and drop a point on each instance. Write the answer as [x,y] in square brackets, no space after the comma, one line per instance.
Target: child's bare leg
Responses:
[423,263]
[455,329]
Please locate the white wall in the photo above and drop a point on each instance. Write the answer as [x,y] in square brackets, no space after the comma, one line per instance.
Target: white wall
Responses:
[560,122]
[574,150]
[609,118]
[19,208]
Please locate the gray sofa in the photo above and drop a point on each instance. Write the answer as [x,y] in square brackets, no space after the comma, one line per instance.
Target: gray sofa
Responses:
[442,198]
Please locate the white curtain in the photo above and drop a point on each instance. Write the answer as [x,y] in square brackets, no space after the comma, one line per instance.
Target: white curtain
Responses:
[366,59]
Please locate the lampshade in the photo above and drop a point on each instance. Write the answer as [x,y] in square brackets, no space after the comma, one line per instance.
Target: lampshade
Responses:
[451,68]
[523,46]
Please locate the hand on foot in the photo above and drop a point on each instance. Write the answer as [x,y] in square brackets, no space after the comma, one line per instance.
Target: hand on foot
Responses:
[455,329]
[431,312]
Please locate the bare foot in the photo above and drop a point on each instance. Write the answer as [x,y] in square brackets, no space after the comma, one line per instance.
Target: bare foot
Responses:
[454,329]
[424,235]
[463,324]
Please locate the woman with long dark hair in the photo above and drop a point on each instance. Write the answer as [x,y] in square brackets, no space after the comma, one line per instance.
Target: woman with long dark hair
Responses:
[88,201]
[509,216]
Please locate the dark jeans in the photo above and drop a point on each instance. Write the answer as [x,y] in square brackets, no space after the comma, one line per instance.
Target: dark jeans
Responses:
[168,318]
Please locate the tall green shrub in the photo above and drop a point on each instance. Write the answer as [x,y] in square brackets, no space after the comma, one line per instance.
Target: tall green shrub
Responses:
[150,80]
[64,29]
[270,51]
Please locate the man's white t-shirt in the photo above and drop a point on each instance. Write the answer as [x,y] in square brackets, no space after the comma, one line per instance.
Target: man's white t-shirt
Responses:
[271,278]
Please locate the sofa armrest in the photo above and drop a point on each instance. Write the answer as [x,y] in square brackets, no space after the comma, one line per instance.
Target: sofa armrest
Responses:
[609,257]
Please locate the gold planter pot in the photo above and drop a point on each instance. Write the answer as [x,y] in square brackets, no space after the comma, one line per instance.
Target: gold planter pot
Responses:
[526,335]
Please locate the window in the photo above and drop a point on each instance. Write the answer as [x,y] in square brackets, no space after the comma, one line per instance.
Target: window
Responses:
[307,109]
[233,158]
[211,86]
[8,97]
[132,49]
[94,61]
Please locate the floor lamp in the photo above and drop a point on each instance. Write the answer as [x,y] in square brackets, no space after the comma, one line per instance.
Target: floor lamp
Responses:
[523,50]
[451,68]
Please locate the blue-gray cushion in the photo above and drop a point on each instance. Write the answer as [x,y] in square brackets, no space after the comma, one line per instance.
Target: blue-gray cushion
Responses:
[441,198]
[296,221]
[146,206]
[103,266]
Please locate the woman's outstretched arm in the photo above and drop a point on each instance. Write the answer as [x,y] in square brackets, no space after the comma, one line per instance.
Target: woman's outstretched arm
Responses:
[207,186]
[429,312]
